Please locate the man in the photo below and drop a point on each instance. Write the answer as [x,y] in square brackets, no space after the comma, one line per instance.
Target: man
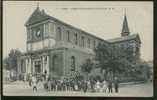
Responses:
[84,86]
[49,84]
[53,85]
[110,86]
[116,86]
[92,85]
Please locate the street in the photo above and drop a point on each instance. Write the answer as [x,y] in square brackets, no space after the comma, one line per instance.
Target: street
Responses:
[23,89]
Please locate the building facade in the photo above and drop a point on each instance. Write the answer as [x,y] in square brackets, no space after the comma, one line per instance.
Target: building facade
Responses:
[59,49]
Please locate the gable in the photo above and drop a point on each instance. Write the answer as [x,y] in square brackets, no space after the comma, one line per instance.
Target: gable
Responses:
[37,16]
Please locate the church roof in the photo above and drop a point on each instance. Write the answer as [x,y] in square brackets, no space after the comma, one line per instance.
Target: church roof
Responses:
[125,38]
[38,16]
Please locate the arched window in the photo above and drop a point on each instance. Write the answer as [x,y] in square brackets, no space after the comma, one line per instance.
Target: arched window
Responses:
[88,42]
[94,44]
[54,59]
[72,63]
[76,38]
[68,35]
[59,33]
[82,41]
[46,29]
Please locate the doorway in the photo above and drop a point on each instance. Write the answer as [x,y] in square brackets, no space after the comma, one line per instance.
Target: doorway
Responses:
[37,66]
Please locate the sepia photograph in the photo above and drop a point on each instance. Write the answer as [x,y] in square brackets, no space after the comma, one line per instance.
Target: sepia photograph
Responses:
[78,49]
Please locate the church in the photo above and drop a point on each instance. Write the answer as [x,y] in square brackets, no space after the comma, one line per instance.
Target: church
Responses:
[59,49]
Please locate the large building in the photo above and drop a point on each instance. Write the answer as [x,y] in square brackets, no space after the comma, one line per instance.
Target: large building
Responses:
[59,48]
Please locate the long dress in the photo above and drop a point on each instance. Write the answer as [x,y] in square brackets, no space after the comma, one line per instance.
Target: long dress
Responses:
[105,86]
[89,86]
[76,87]
[97,86]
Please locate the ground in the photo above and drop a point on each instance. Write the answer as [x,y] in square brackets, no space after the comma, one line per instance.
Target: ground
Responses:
[23,89]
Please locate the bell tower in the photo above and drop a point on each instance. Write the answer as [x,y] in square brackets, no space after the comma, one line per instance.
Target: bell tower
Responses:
[125,27]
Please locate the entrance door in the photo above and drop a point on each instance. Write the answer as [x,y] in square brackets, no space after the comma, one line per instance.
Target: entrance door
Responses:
[37,67]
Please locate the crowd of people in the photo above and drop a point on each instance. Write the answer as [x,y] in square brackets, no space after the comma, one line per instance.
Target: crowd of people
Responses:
[84,85]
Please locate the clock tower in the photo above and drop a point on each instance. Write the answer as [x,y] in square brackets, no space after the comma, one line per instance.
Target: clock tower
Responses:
[39,31]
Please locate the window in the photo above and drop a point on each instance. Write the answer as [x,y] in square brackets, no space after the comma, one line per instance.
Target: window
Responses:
[82,41]
[59,32]
[34,34]
[68,35]
[94,44]
[54,63]
[88,42]
[46,29]
[76,38]
[23,67]
[72,63]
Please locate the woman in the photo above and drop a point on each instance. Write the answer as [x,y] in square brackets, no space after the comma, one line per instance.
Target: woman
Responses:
[88,86]
[76,86]
[105,84]
[97,86]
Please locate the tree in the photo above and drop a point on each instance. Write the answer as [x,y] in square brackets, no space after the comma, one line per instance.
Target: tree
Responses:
[6,63]
[10,62]
[142,70]
[112,59]
[87,66]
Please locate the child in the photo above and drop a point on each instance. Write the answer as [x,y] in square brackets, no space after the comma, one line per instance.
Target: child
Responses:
[34,83]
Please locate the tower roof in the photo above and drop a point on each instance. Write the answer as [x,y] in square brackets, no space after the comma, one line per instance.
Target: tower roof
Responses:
[125,28]
[37,16]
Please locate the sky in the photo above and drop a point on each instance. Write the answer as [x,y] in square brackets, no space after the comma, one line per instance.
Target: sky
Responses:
[101,18]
